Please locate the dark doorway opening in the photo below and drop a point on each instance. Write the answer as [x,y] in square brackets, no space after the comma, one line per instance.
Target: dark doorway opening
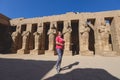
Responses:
[75,37]
[60,26]
[13,29]
[23,28]
[34,28]
[46,27]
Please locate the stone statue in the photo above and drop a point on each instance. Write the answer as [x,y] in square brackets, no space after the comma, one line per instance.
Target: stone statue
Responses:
[52,33]
[14,36]
[17,29]
[104,32]
[84,37]
[25,39]
[67,37]
[38,39]
[40,28]
[15,40]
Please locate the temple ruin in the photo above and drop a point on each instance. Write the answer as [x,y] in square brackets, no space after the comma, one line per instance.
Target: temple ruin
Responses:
[90,33]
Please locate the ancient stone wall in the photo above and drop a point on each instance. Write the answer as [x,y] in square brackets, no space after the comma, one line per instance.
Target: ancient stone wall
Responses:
[5,37]
[84,33]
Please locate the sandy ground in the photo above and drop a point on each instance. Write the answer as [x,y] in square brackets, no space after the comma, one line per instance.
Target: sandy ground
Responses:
[40,67]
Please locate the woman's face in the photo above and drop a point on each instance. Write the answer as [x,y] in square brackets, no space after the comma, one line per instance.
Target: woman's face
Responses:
[59,33]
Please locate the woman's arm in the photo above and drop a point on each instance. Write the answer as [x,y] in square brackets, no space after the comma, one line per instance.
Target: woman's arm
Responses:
[59,43]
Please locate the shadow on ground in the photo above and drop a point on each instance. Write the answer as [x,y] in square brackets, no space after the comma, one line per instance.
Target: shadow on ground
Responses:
[84,74]
[19,69]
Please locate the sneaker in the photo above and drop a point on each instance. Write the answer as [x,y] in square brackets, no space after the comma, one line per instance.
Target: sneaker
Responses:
[58,70]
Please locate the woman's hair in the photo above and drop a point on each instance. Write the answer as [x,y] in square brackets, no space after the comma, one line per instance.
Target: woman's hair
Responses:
[59,32]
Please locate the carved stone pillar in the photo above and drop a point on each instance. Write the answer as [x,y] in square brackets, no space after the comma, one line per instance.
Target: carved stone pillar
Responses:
[25,42]
[98,43]
[52,34]
[103,45]
[115,34]
[15,38]
[84,39]
[67,37]
[38,40]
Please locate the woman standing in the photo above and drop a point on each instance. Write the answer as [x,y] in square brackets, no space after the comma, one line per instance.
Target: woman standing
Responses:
[59,48]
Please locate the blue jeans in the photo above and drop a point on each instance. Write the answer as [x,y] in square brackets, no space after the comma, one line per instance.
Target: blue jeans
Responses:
[60,54]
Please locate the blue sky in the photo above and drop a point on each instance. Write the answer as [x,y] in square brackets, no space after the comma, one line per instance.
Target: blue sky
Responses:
[38,8]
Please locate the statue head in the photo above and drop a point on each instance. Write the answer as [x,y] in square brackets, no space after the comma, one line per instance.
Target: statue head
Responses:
[103,23]
[59,33]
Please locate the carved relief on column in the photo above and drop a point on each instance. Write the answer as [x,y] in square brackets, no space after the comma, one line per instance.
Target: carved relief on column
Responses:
[37,37]
[52,34]
[25,39]
[38,40]
[104,32]
[67,34]
[15,37]
[84,39]
[115,33]
[104,47]
[25,43]
[98,43]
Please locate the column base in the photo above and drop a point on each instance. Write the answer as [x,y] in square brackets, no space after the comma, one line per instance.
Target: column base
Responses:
[108,53]
[87,53]
[22,51]
[36,52]
[67,53]
[50,53]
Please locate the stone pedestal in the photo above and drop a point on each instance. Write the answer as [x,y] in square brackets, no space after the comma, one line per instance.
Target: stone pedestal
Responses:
[23,51]
[36,52]
[50,53]
[67,53]
[87,53]
[108,53]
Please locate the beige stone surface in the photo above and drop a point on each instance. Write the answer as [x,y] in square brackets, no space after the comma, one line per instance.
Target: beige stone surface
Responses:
[91,32]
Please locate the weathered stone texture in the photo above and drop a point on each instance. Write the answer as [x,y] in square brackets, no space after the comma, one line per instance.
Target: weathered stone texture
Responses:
[5,36]
[88,34]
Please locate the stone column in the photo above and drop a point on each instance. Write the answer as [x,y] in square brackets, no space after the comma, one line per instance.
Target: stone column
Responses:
[103,32]
[98,42]
[84,39]
[38,40]
[115,34]
[40,30]
[52,34]
[15,37]
[25,41]
[67,37]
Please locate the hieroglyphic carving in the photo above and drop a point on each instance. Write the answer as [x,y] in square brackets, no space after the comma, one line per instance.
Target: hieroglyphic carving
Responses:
[104,32]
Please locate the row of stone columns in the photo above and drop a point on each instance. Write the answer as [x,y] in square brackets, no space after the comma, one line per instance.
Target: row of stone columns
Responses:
[101,33]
